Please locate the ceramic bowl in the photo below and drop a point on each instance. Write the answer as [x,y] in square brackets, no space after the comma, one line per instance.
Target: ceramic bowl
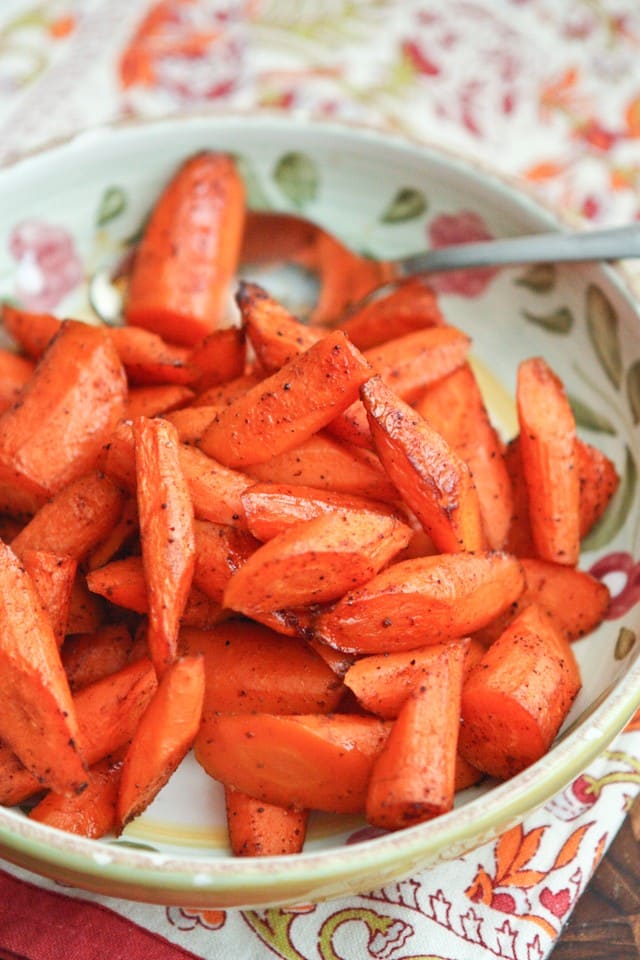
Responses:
[70,213]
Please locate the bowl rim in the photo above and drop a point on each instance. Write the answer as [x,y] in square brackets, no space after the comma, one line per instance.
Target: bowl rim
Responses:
[164,878]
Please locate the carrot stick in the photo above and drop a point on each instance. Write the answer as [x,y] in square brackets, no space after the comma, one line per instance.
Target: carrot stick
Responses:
[215,490]
[289,406]
[413,778]
[223,394]
[67,411]
[306,762]
[221,550]
[189,251]
[454,407]
[599,480]
[163,737]
[155,400]
[516,699]
[422,601]
[118,537]
[31,331]
[166,533]
[411,306]
[77,518]
[150,360]
[15,373]
[432,479]
[548,451]
[53,577]
[275,334]
[259,829]
[86,611]
[220,357]
[315,561]
[191,422]
[90,814]
[250,669]
[88,657]
[37,717]
[272,508]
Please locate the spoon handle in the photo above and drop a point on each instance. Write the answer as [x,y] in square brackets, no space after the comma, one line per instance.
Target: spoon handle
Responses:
[615,243]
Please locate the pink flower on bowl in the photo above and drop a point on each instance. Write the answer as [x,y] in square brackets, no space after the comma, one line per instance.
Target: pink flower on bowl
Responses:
[462,227]
[48,266]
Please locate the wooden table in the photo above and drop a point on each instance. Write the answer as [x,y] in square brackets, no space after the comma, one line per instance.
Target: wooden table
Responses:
[605,924]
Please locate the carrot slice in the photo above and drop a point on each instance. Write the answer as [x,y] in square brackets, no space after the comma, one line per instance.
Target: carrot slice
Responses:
[150,360]
[454,407]
[166,533]
[163,737]
[88,657]
[271,237]
[117,538]
[250,669]
[259,829]
[413,779]
[516,699]
[15,373]
[221,550]
[315,561]
[223,394]
[67,411]
[90,814]
[189,251]
[548,451]
[275,334]
[426,600]
[289,406]
[37,717]
[86,612]
[220,357]
[307,762]
[32,331]
[155,400]
[433,480]
[53,577]
[215,490]
[599,480]
[191,422]
[411,306]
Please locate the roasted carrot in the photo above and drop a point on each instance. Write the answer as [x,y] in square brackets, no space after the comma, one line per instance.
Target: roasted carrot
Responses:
[90,814]
[250,669]
[66,412]
[272,508]
[150,360]
[189,251]
[15,373]
[307,762]
[289,406]
[75,520]
[166,533]
[315,561]
[259,829]
[53,577]
[274,333]
[455,408]
[86,611]
[433,480]
[411,306]
[155,400]
[31,331]
[163,737]
[215,490]
[427,600]
[88,657]
[272,237]
[599,480]
[221,550]
[191,422]
[549,462]
[413,778]
[518,696]
[120,535]
[220,357]
[37,718]
[222,394]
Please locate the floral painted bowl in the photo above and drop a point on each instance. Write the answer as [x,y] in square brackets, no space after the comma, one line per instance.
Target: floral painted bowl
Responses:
[70,214]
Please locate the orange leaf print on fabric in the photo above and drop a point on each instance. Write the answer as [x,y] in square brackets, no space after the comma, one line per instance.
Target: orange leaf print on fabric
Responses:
[569,848]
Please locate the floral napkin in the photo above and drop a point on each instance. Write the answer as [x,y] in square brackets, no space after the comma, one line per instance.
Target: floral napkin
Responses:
[545,92]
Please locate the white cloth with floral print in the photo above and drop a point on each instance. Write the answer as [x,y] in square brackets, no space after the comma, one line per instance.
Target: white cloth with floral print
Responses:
[544,91]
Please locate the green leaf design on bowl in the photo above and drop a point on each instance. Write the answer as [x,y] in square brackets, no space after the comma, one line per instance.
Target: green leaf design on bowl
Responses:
[633,390]
[558,321]
[618,510]
[602,324]
[625,643]
[407,204]
[590,419]
[134,845]
[112,203]
[540,278]
[297,177]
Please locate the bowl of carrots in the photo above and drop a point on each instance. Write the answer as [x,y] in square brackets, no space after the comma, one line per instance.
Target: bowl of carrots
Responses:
[302,589]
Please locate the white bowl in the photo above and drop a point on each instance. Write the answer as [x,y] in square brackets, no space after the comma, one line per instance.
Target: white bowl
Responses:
[98,188]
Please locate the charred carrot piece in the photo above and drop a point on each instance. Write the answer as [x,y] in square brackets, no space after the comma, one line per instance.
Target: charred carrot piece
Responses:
[67,411]
[166,533]
[411,306]
[15,373]
[549,462]
[37,718]
[32,331]
[88,657]
[422,601]
[289,406]
[259,829]
[455,408]
[156,400]
[274,333]
[189,251]
[307,762]
[75,520]
[413,778]
[315,561]
[90,814]
[272,508]
[433,480]
[250,668]
[219,358]
[163,738]
[515,701]
[150,360]
[53,577]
